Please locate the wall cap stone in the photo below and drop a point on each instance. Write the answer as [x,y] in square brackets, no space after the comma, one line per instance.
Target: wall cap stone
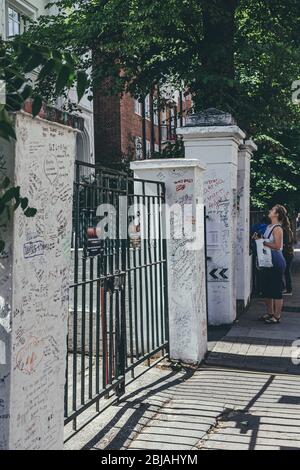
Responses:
[249,145]
[213,132]
[52,114]
[211,117]
[166,163]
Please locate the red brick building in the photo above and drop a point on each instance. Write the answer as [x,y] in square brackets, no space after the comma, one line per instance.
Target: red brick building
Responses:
[127,129]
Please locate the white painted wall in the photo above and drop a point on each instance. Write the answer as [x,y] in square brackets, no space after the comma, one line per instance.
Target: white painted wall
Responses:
[186,267]
[34,286]
[217,149]
[8,162]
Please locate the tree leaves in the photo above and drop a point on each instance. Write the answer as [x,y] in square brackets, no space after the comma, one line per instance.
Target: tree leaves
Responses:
[63,78]
[26,92]
[137,42]
[11,193]
[30,212]
[10,200]
[7,131]
[18,57]
[34,61]
[36,105]
[5,183]
[48,69]
[82,82]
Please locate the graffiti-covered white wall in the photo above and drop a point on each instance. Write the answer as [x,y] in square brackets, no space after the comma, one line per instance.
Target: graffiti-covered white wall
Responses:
[34,285]
[185,259]
[216,147]
[220,202]
[244,260]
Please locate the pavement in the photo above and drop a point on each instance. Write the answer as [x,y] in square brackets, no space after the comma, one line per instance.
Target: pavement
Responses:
[254,345]
[226,409]
[246,395]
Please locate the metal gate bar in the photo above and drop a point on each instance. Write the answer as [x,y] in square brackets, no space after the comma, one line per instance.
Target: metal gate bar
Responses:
[118,314]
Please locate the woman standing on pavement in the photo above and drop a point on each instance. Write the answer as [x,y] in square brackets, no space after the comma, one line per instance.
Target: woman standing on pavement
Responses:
[272,278]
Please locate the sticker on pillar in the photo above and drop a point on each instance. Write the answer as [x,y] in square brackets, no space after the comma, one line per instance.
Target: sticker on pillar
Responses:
[33,248]
[30,355]
[182,184]
[218,275]
[214,231]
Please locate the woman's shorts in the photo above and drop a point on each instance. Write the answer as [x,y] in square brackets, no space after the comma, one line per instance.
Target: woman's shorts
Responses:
[272,283]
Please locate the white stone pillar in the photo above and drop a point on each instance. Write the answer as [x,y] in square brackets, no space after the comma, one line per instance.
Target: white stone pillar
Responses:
[34,286]
[185,259]
[216,147]
[244,261]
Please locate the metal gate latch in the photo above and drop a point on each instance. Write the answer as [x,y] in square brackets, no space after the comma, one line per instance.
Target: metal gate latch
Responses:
[117,281]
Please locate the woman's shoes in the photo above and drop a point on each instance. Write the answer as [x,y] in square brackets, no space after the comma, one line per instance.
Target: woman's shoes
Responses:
[265,317]
[272,320]
[287,292]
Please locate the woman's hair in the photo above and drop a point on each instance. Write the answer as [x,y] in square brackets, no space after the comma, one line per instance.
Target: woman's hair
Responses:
[282,216]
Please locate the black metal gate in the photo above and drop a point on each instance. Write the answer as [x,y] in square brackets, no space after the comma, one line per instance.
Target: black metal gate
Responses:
[118,311]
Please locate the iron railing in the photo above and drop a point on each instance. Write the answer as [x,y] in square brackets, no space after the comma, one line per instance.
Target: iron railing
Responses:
[118,313]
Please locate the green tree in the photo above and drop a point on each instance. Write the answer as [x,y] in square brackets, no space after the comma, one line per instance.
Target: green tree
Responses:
[19,58]
[239,55]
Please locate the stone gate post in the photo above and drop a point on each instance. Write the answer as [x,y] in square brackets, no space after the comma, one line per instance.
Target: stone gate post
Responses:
[244,261]
[213,138]
[183,180]
[34,284]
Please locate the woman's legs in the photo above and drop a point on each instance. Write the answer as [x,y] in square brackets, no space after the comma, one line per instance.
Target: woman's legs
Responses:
[278,304]
[275,284]
[270,306]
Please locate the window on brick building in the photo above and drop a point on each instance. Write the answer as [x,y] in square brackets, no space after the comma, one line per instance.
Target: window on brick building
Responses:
[138,148]
[164,130]
[13,22]
[17,17]
[138,107]
[147,107]
[148,149]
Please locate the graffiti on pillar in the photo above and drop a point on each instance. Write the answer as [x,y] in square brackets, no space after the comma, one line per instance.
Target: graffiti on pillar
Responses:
[5,311]
[218,203]
[221,206]
[36,326]
[182,186]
